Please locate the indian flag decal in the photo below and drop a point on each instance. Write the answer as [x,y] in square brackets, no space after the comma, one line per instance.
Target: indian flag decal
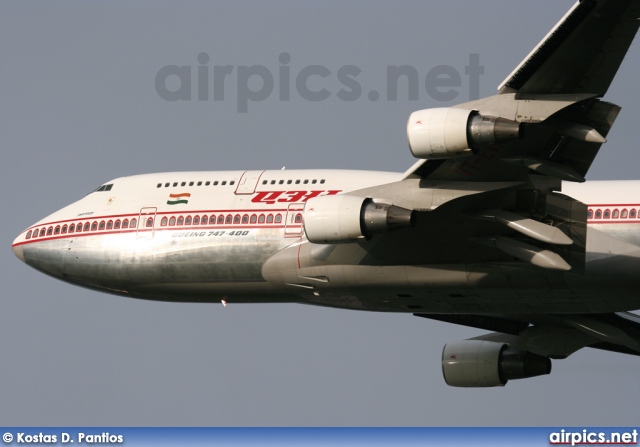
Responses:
[178,198]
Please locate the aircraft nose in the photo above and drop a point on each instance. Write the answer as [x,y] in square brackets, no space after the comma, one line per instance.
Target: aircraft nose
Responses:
[18,250]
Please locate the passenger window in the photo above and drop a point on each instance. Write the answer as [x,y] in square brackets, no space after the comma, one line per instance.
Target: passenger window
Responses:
[175,184]
[616,214]
[228,219]
[166,185]
[245,219]
[103,224]
[632,214]
[281,182]
[607,214]
[117,225]
[72,228]
[205,221]
[322,181]
[159,185]
[150,222]
[624,214]
[289,182]
[207,183]
[183,184]
[190,183]
[278,218]
[590,214]
[180,220]
[314,181]
[220,219]
[199,183]
[133,223]
[236,219]
[254,218]
[297,182]
[264,182]
[187,221]
[172,221]
[261,219]
[164,221]
[196,220]
[64,229]
[50,231]
[224,183]
[273,182]
[599,214]
[125,223]
[298,218]
[57,229]
[305,182]
[94,226]
[79,228]
[87,226]
[270,218]
[28,234]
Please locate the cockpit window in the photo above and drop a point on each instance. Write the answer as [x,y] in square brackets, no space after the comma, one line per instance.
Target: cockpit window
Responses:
[104,188]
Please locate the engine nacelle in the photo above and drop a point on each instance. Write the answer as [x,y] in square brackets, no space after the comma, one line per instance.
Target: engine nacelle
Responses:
[345,218]
[448,132]
[481,363]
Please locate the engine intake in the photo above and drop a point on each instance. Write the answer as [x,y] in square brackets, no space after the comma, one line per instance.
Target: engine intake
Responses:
[482,363]
[449,132]
[345,218]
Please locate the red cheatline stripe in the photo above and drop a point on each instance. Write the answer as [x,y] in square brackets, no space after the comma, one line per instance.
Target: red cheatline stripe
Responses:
[184,194]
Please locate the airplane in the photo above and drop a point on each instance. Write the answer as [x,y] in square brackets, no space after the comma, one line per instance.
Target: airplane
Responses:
[494,226]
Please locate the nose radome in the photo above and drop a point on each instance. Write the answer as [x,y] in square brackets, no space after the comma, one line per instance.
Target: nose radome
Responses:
[18,250]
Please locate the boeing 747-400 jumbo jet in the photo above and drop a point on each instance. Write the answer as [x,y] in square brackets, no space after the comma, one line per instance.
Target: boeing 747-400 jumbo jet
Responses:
[494,227]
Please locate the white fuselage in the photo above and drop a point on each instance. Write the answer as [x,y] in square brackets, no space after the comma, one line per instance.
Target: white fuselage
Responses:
[239,237]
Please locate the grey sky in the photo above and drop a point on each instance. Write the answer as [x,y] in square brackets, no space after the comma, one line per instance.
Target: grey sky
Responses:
[78,107]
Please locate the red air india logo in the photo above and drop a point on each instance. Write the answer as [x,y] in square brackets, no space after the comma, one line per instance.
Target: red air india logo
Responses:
[272,197]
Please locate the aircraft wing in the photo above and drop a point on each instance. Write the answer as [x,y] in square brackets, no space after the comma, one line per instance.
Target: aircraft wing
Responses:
[581,54]
[616,332]
[554,92]
[498,196]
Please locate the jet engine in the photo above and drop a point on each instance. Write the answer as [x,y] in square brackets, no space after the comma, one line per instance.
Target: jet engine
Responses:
[449,132]
[481,363]
[345,218]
